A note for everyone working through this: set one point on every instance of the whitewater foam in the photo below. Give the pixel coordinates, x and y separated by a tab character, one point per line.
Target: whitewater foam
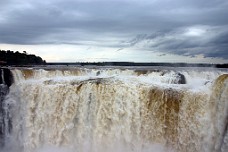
105	110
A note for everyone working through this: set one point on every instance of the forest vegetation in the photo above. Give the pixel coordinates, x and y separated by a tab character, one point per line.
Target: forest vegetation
16	58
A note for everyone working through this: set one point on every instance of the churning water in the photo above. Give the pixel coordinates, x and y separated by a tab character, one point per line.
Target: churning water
114	110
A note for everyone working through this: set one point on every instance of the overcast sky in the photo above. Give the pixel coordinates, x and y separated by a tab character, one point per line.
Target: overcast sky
117	30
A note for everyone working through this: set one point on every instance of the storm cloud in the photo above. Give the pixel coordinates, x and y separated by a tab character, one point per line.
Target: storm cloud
189	28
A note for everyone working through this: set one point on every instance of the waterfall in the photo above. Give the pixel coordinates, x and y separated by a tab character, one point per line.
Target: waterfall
5	119
106	110
2	77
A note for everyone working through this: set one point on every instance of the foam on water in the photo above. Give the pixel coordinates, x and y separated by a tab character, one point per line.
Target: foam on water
107	110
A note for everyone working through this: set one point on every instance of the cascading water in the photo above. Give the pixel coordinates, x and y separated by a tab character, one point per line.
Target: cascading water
2	77
5	119
107	110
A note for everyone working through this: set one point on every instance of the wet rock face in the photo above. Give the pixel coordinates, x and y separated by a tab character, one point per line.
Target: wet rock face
3	92
181	79
1	78
6	77
5	83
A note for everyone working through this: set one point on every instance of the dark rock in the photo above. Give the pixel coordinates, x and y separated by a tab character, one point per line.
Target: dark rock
181	79
6	77
6	80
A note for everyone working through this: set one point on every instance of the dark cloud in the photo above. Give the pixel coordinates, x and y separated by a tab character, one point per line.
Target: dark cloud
206	40
160	26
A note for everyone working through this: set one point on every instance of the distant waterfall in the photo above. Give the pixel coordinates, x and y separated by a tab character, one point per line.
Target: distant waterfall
107	110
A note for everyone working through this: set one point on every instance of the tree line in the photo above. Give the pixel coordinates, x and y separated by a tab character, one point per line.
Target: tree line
16	58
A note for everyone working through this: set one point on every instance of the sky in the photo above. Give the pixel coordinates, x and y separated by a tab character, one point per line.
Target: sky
192	31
